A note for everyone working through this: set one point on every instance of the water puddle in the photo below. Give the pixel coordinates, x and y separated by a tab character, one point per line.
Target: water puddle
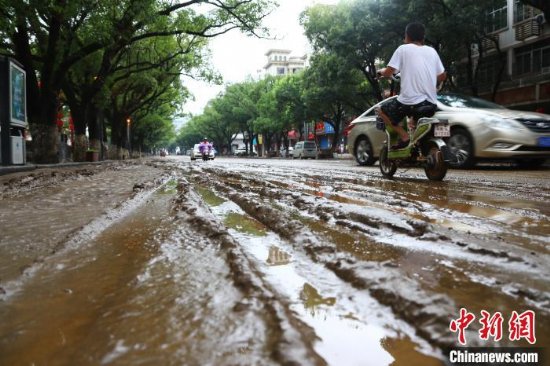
313	301
277	256
211	198
244	224
143	291
437	273
79	288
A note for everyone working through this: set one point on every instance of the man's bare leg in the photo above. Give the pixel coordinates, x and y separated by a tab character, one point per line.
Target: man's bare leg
400	131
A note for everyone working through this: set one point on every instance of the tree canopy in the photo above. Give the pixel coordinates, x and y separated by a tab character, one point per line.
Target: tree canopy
350	41
77	47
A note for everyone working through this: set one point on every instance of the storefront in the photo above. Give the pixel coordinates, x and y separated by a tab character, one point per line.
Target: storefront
324	132
292	136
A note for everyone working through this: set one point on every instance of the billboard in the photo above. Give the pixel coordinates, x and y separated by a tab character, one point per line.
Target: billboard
17	94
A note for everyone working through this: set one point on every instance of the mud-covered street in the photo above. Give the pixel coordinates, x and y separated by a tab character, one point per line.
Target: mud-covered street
265	261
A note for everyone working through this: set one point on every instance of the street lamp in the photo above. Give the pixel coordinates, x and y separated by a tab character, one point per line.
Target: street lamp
128	123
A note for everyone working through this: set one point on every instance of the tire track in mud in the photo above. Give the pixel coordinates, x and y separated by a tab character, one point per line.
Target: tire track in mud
285	207
289	340
427	312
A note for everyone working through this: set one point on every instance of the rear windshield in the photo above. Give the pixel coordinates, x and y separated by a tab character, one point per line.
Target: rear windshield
309	145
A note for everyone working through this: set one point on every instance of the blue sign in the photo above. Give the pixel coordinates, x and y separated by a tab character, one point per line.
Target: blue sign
324	143
329	129
544	141
18	103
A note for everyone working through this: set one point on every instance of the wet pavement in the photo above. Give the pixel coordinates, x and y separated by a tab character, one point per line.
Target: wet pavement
255	261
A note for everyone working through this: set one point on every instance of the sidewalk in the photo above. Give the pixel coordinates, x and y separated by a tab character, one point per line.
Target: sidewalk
8	169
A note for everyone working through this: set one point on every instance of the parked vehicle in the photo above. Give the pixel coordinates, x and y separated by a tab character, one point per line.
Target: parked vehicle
196	154
304	150
480	130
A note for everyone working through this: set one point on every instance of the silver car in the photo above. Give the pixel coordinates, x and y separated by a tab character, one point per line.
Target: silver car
304	150
479	130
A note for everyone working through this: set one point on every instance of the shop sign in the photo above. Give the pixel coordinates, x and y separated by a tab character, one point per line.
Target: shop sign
320	128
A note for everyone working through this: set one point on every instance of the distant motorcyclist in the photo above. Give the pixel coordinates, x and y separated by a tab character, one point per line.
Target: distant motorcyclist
205	147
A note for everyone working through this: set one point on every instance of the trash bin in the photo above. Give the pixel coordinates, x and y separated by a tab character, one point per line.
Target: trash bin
17	146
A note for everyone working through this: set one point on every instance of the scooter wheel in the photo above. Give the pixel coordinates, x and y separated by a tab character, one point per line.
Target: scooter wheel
387	166
436	167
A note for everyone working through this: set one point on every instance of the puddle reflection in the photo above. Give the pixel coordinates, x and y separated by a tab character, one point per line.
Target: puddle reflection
244	224
277	257
313	300
209	197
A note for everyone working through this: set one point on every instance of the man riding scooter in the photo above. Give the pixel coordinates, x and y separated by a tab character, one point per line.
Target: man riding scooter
205	148
421	70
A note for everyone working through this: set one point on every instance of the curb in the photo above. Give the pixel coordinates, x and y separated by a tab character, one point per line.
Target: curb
9	169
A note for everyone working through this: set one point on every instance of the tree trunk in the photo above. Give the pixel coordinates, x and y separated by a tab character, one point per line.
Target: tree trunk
94	127
45	143
80	147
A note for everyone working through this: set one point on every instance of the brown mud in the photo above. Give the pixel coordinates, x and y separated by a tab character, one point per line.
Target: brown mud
251	262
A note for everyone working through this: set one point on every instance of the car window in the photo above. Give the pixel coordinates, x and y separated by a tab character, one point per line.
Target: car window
465	101
309	145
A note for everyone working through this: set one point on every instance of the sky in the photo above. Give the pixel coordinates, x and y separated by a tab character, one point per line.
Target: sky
236	56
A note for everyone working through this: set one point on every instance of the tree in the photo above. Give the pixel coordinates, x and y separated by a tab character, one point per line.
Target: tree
244	98
334	90
190	134
221	125
88	85
153	131
287	105
360	32
50	37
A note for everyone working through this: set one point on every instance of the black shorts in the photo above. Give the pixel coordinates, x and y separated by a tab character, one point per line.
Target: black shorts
396	110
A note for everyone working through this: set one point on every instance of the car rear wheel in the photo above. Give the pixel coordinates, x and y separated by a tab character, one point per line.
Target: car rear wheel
363	152
461	145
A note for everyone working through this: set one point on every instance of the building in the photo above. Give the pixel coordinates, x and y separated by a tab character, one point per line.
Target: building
523	38
280	62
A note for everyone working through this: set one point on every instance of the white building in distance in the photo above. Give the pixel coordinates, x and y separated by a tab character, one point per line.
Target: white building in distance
280	62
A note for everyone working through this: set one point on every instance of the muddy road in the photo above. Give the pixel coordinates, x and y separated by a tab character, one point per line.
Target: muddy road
260	262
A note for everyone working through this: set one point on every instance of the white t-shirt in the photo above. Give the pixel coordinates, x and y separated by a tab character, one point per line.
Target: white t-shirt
419	67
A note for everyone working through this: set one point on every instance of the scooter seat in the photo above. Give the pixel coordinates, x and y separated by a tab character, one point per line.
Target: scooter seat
424	111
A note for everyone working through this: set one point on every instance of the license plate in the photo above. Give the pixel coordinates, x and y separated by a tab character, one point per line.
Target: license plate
544	141
442	131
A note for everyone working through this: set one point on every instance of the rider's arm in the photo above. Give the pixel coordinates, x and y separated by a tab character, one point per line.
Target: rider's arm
387	71
441	77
